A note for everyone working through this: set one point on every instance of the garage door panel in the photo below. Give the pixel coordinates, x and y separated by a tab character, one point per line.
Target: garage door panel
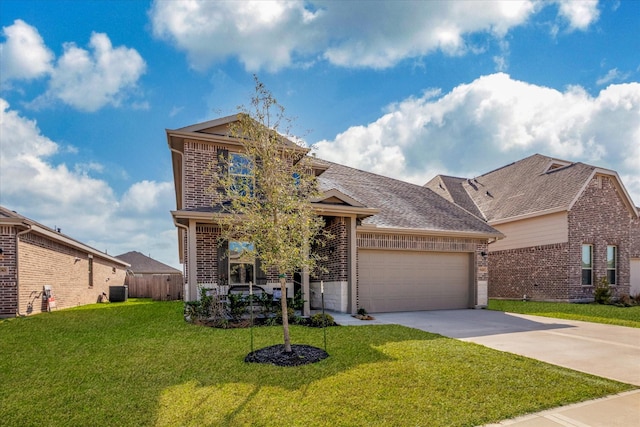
406	281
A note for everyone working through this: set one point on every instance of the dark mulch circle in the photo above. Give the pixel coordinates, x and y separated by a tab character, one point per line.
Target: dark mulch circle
275	355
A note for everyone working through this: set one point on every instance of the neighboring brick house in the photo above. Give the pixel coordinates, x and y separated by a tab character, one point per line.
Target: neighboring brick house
567	226
34	256
396	246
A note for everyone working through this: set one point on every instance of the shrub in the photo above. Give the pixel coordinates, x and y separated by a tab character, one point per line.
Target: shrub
237	306
362	311
208	308
319	320
602	292
298	301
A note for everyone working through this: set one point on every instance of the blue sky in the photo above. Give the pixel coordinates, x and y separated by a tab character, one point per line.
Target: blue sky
403	89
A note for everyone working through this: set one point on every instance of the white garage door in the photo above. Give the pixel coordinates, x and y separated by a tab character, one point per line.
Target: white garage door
635	277
407	281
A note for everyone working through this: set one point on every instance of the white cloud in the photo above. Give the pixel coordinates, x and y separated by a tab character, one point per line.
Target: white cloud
493	121
580	14
83	206
282	33
89	80
84	79
261	33
23	56
145	195
611	76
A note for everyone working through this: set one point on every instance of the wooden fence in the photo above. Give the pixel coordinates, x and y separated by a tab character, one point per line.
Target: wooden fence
165	287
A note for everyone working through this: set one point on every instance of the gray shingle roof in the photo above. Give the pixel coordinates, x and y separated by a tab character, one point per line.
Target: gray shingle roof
521	188
401	204
143	264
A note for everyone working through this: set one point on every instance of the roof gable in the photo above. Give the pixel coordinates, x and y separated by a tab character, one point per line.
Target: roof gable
532	186
336	197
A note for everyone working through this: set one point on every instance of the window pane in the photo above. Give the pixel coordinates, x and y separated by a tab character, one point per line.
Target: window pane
586	256
239	164
611	277
241	273
611	257
586	277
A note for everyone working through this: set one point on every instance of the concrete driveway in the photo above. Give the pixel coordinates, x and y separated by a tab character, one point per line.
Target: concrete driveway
603	350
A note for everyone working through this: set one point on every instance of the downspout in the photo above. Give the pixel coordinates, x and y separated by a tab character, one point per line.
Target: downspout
18	234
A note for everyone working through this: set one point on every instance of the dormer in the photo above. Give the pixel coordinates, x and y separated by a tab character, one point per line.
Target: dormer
556	164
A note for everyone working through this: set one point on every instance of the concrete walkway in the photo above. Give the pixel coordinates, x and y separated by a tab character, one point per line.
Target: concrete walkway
607	351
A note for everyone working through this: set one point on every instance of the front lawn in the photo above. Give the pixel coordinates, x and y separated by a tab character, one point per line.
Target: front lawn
597	313
139	364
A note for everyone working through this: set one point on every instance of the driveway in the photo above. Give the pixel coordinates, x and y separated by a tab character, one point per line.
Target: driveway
603	350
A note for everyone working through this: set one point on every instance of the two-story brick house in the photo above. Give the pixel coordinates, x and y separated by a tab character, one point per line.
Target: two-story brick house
396	246
33	256
567	226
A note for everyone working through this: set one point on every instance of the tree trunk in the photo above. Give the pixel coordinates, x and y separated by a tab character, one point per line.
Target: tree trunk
285	315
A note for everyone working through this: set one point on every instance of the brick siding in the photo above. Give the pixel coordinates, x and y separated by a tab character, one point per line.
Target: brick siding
8	272
538	272
553	272
43	261
199	160
207	237
334	266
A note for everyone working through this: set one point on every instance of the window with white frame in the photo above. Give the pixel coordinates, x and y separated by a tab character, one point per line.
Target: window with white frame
587	265
612	264
241	263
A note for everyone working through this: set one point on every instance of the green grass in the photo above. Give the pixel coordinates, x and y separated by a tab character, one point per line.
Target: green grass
139	364
597	313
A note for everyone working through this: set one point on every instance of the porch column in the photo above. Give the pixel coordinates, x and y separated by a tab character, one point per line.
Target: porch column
306	309
352	267
192	263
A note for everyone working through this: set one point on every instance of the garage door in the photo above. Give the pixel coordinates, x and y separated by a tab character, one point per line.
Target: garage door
635	277
407	281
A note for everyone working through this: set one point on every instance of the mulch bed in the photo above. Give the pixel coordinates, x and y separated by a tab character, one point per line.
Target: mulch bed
275	355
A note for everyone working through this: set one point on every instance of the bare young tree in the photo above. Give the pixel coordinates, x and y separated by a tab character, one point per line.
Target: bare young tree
267	191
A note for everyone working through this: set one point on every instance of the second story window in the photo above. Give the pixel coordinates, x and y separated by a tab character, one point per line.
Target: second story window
241	170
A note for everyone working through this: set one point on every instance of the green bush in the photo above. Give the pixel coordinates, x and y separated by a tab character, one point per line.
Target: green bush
602	292
237	306
319	320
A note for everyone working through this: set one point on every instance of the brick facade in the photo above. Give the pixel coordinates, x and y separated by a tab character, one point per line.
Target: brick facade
8	272
553	272
39	260
334	266
200	159
207	237
537	272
